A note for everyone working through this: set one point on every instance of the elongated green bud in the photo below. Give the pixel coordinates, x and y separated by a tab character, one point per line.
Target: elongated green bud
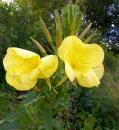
81	36
45	31
62	81
90	37
58	29
39	46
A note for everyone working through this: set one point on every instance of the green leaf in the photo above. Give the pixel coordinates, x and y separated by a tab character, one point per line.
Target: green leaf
48	119
31	98
9	126
13	116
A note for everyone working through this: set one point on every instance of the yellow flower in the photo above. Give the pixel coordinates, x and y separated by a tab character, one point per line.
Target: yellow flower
24	67
82	61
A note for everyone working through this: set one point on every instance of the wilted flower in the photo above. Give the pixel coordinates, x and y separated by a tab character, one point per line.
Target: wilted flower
25	67
82	61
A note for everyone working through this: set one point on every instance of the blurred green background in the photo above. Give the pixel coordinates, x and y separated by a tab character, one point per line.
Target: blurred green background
89	109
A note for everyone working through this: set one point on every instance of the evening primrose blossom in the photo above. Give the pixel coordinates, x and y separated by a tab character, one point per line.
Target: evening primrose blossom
24	67
82	61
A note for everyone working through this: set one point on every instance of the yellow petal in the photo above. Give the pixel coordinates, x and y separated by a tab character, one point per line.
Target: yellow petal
48	66
94	55
99	71
20	61
79	58
69	71
87	79
69	46
22	82
78	54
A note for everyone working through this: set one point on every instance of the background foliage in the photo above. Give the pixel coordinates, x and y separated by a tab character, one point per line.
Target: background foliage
88	109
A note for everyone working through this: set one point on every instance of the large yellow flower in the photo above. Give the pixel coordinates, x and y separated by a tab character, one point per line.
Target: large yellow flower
24	67
82	61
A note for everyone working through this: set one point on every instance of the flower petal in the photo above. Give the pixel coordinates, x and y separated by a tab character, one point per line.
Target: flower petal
88	79
79	58
99	71
94	55
48	66
79	54
69	71
22	82
69	46
20	61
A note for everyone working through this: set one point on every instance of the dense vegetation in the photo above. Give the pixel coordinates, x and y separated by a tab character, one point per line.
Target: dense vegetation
88	109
